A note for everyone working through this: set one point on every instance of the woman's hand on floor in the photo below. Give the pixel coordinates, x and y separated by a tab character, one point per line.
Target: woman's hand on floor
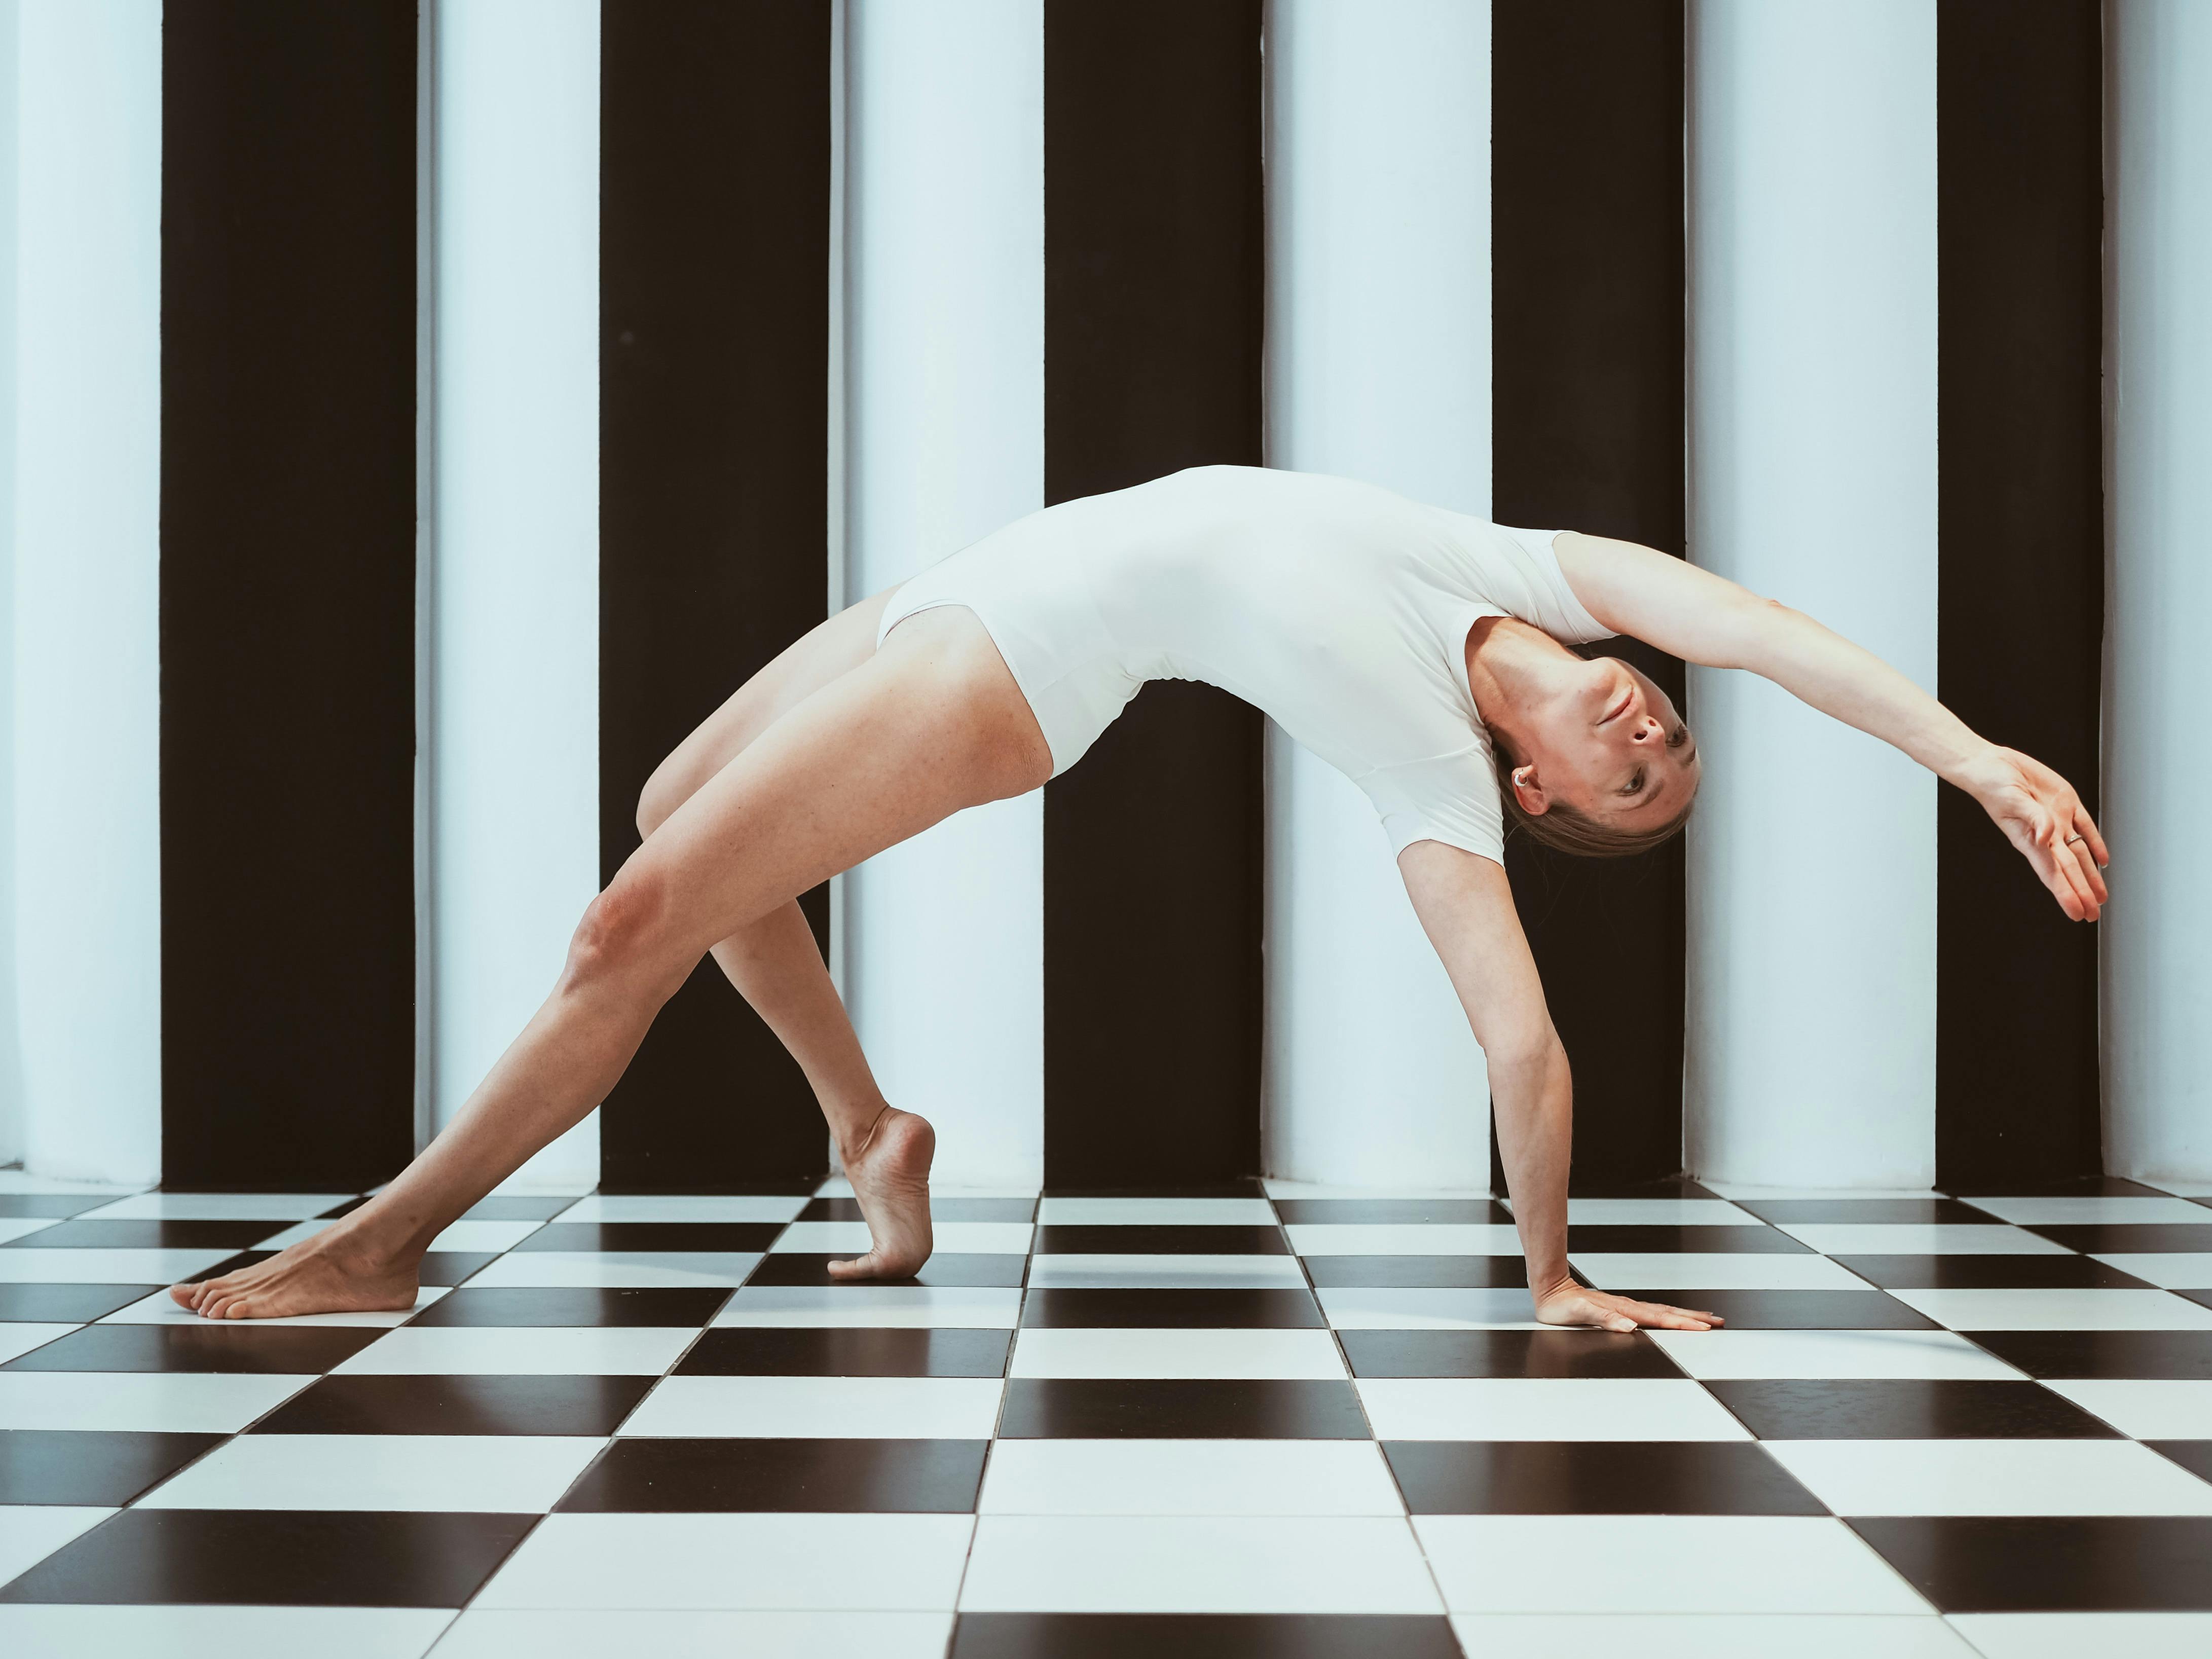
1573	1305
2041	815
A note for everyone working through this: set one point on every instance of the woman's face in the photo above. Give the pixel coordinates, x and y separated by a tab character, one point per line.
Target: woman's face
1609	744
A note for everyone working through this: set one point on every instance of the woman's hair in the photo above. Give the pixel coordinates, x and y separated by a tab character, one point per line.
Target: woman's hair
1571	831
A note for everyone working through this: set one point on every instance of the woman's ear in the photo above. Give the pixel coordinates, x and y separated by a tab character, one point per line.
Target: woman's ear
1529	791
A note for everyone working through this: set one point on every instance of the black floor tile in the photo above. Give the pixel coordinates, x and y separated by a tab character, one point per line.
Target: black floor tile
1174	1310
569	1405
2150	1355
68	1304
1506	1353
795	1188
1395	1211
2101	1238
209	1344
1990	1272
1902	1409
2195	1455
519	1206
277	1558
945	1267
97	1466
884	1477
1668	1187
1442	1272
453	1267
1702	1241
35	1204
773	1351
940	1209
1914	1211
1796	1311
1179	1408
1160	1241
1595	1476
1201	1636
681	1309
2203	1298
228	1265
2074	1186
148	1235
2050	1563
705	1237
1243	1186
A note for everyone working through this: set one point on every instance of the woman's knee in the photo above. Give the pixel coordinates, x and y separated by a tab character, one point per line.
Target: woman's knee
626	931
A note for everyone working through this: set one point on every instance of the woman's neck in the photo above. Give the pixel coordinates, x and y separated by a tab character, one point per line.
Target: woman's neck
1510	667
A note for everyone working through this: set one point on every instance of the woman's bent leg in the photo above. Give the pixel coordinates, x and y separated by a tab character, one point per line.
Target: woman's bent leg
932	723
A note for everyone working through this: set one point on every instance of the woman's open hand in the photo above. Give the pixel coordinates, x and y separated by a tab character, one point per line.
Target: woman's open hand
1569	1303
2041	815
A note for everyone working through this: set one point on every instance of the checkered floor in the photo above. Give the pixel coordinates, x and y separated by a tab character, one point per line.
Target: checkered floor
1256	1422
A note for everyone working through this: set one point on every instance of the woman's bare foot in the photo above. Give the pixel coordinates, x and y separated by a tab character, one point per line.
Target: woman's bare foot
317	1275
890	1175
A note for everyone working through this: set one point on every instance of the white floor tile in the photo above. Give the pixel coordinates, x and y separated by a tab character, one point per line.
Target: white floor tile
2178	1409
525	1182
1992	1477
1408	1238
2177	1270
23	1227
2064	1211
1633	1563
1919	1238
1698	1271
1139	1271
161	1309
2059	1310
1830	1354
649	1206
15	1181
474	1237
574	1634
29	1533
2071	1635
851	1238
618	1269
1749	1192
1075	1351
785	1560
1323	1189
953	1307
168	1403
2184	1188
218	1207
1707	1635
520	1351
1186	1564
19	1338
1545	1408
1382	1308
1156	1212
32	1266
1658	1212
491	1473
822	1407
1188	1477
223	1632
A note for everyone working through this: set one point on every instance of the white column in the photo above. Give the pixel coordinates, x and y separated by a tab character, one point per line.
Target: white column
515	820
2158	795
1812	857
87	98
1378	367
944	948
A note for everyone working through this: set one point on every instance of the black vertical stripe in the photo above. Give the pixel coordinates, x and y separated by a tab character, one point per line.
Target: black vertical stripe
1152	350
2020	112
714	352
287	592
1587	402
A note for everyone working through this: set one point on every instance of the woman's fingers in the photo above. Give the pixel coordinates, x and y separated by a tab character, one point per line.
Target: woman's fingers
1667	1318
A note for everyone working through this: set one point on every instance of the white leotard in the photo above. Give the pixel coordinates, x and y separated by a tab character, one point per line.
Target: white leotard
1339	608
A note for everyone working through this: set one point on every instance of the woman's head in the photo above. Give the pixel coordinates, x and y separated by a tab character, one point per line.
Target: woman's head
1596	761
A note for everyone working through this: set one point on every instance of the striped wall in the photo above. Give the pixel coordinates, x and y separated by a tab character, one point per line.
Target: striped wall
1815	293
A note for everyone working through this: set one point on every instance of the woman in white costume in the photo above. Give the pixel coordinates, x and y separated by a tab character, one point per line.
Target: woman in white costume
1422	652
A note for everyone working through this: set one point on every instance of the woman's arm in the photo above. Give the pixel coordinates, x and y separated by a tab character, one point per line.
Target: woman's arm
1467	909
1703	619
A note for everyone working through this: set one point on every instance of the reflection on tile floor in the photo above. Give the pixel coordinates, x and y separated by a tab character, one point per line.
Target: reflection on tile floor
1267	1420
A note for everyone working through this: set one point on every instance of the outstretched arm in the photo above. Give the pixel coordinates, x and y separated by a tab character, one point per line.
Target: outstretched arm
1467	909
1703	619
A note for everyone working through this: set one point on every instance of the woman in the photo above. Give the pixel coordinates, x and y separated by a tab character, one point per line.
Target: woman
1423	651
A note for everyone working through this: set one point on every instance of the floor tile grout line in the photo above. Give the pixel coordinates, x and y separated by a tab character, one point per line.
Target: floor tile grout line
998	1421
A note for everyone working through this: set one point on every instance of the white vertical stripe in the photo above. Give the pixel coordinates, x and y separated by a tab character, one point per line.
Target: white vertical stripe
944	263
1812	915
2158	792
87	504
515	733
1378	367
